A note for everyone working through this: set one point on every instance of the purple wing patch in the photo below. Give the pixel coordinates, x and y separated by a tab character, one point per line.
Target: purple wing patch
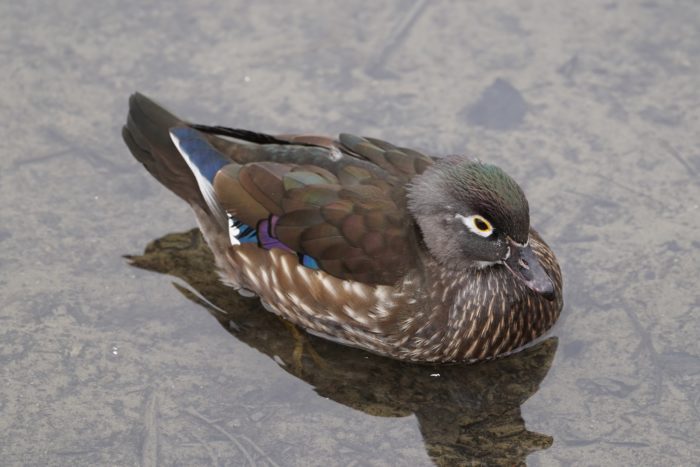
266	235
268	240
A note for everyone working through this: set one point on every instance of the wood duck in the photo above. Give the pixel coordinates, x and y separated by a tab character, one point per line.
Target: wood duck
359	241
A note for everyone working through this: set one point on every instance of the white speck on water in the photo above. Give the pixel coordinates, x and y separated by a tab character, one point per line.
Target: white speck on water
435	375
115	350
246	78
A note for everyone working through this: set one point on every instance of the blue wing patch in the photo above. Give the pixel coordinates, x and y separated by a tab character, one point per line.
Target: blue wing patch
309	262
242	233
239	232
198	152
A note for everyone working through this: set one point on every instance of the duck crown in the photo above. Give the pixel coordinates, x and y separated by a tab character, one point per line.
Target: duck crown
489	191
457	186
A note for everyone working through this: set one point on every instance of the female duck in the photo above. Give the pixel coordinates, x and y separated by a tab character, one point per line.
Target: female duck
359	241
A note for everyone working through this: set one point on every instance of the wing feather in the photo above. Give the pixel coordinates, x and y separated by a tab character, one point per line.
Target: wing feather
348	214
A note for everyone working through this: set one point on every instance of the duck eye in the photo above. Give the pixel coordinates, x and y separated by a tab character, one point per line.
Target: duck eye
477	224
481	225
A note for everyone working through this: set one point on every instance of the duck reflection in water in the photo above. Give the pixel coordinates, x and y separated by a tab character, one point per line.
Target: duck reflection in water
469	413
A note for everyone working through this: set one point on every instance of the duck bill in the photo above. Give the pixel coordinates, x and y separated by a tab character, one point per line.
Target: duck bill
524	265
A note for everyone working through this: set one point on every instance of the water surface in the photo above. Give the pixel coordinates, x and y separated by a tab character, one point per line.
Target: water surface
108	360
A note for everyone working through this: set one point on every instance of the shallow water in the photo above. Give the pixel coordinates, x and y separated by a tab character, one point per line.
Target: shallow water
105	361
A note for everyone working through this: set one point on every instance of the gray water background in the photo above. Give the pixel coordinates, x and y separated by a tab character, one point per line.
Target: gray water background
594	107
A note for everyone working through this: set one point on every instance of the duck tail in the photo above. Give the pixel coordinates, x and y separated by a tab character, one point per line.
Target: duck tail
147	133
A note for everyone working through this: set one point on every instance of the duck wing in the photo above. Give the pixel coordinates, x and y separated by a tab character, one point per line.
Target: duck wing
340	204
340	211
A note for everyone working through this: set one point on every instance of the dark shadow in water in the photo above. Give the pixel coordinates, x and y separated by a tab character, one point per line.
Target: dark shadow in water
468	413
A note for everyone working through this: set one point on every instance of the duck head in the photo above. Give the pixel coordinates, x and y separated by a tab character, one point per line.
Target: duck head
473	215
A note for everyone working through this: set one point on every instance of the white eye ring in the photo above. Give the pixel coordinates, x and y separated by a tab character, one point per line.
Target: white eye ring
477	224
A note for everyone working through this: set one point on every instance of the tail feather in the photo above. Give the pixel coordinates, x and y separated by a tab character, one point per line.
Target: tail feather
204	162
147	134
